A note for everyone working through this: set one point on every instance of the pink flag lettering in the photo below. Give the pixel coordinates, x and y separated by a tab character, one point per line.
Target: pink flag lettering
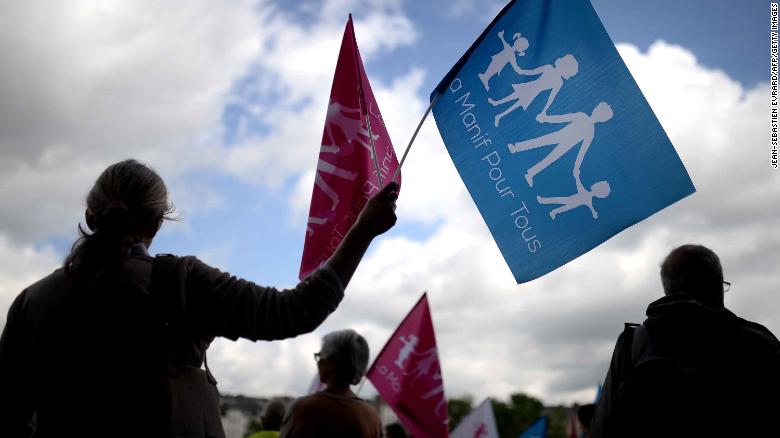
346	175
408	376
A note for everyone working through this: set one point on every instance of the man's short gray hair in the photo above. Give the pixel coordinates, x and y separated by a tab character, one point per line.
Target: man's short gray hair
349	351
693	269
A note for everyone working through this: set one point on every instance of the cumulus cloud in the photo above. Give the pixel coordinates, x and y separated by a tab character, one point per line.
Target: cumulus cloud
21	266
85	83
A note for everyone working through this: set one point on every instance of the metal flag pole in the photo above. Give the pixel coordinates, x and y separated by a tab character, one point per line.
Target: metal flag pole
359	71
373	148
419	125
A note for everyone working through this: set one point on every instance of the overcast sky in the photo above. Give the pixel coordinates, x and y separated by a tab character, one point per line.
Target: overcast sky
227	101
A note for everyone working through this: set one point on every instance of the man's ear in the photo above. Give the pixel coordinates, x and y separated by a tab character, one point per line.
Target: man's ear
90	222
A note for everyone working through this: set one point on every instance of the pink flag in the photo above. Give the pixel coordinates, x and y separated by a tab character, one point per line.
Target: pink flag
408	376
347	169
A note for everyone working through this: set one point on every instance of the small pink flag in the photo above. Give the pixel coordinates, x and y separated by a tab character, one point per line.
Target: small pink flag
347	169
408	376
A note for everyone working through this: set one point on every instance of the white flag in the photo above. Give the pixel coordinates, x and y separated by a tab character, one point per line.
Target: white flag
479	423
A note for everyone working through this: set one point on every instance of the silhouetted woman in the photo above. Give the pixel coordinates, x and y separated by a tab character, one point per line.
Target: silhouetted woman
102	347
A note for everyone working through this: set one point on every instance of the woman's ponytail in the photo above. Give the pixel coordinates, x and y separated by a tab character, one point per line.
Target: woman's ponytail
127	201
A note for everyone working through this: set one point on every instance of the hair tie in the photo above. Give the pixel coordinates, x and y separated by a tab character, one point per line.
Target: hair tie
117	205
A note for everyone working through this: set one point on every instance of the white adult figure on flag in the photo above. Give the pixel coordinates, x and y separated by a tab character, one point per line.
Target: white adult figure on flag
504	57
409	344
424	365
584	197
437	391
579	128
550	78
352	128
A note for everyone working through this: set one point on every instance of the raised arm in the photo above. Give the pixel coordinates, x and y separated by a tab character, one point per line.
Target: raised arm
503	41
513	63
219	304
580	187
377	217
555	118
553	93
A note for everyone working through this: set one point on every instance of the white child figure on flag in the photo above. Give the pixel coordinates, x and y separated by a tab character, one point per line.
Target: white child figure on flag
550	78
582	197
504	57
580	128
409	344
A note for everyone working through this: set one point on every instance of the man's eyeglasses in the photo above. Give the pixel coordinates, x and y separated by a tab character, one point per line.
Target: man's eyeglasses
317	357
726	286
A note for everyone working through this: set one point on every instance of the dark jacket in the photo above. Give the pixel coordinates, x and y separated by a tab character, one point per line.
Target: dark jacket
78	355
692	371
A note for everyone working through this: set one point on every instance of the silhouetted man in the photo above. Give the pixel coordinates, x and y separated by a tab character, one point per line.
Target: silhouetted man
693	368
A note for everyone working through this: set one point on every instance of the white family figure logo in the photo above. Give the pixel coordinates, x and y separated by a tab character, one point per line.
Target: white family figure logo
504	57
424	364
353	130
580	129
550	78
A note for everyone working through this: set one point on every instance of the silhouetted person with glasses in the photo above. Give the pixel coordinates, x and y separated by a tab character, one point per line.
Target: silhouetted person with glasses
336	411
693	368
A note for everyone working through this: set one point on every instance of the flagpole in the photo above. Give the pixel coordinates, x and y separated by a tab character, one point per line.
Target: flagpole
419	125
363	105
373	148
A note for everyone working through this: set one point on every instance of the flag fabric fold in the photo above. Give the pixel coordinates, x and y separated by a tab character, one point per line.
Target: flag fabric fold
408	376
346	174
552	136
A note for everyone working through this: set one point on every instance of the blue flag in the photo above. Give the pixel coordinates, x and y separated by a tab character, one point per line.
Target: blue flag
537	430
553	138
